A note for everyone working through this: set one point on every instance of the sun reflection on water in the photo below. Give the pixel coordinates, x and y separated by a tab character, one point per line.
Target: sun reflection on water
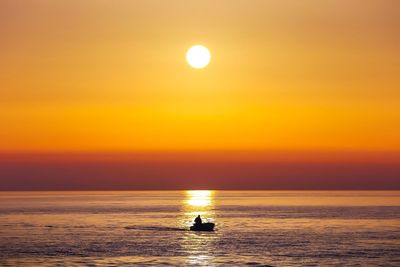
198	246
199	198
198	202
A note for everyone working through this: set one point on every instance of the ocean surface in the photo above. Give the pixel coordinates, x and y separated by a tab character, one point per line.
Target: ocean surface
150	228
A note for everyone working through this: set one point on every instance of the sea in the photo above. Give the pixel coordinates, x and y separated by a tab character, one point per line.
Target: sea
151	228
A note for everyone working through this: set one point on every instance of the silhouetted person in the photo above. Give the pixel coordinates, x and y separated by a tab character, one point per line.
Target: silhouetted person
198	220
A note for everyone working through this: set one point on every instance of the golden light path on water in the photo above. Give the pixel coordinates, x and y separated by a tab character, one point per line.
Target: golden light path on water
199	245
198	202
199	198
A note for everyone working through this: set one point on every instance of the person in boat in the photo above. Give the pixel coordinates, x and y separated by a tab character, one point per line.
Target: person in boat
198	220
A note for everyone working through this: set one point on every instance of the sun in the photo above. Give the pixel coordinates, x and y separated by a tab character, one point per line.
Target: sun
198	56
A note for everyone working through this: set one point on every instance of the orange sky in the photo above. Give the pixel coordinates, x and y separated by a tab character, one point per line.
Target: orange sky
99	75
102	76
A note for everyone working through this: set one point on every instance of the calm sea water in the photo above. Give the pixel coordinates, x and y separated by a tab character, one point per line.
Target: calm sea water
255	228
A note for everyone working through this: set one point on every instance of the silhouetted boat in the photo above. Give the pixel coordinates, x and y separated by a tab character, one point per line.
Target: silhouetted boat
207	227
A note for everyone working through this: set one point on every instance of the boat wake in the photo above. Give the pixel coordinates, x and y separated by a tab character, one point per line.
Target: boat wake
154	228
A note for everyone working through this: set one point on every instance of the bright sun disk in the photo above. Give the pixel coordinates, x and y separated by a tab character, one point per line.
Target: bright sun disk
198	56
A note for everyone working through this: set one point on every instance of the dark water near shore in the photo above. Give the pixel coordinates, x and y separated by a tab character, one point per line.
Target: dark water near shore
254	228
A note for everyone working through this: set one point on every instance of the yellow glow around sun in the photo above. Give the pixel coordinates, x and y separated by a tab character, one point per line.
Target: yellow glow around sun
198	56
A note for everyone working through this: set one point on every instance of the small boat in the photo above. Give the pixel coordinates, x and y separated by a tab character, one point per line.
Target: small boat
207	227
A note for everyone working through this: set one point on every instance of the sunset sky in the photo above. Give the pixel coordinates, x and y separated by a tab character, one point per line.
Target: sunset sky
302	89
